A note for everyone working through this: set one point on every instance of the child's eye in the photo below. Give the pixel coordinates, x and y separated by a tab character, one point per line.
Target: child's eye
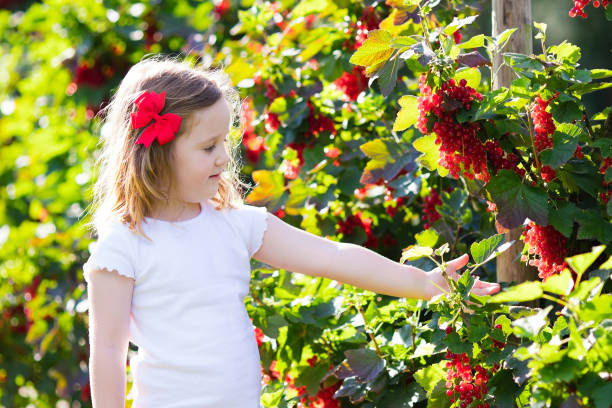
210	149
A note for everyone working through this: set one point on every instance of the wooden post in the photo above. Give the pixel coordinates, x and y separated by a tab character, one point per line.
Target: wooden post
512	14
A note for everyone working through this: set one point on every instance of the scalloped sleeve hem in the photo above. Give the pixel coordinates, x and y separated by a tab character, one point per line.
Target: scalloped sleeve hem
260	225
254	222
114	252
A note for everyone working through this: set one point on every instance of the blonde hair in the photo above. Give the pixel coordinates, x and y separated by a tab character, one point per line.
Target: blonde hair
129	184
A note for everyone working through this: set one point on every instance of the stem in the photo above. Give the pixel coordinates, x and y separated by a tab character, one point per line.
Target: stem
456	238
524	163
588	124
535	153
554	299
367	329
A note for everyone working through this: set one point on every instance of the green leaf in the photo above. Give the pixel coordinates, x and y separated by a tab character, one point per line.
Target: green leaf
313	48
375	50
413	252
387	159
364	363
306	7
427	238
580	263
565	140
428	376
457	23
311	377
520	293
482	249
563	218
474	42
530	326
501	38
599	73
566	52
429	159
408	114
387	76
279	105
471	75
516	201
402	397
560	284
566	112
607	264
592	225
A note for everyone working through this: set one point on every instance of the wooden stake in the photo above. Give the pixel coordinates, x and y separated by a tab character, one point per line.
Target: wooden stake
512	14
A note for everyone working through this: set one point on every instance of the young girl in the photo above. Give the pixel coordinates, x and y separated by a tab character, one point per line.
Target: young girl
171	266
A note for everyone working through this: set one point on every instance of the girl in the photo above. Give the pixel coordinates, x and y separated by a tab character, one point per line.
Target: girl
171	266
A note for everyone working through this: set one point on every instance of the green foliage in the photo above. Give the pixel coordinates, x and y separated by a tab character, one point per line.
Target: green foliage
364	174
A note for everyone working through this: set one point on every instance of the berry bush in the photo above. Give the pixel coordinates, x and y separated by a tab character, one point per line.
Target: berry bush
370	122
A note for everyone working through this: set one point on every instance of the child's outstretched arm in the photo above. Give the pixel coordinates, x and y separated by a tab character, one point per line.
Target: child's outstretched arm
295	250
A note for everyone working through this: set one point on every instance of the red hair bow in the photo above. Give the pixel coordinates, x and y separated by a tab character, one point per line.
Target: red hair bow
164	127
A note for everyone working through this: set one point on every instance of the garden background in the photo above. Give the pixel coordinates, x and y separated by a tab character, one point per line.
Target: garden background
372	122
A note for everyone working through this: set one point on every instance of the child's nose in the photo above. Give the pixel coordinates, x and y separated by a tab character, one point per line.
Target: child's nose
223	158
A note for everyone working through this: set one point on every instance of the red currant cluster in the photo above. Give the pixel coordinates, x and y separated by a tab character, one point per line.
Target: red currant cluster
429	207
391	203
254	144
221	8
333	153
579	5
465	383
500	159
347	226
542	123
259	336
317	122
352	83
605	195
272	122
292	170
548	246
460	149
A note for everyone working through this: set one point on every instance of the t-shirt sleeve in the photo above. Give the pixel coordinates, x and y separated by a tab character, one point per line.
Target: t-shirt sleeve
254	223
113	251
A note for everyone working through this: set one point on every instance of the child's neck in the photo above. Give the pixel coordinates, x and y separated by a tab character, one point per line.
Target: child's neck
177	212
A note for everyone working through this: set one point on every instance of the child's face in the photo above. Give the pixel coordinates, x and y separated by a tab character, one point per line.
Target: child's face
201	154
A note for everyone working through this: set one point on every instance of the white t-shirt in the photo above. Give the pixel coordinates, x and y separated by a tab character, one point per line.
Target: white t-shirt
196	344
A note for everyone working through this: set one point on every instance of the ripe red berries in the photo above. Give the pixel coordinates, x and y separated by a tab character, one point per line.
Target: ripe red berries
579	5
548	246
460	150
465	383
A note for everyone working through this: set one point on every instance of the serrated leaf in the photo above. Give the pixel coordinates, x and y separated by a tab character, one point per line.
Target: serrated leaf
563	218
580	263
376	49
387	76
413	252
474	42
565	140
431	150
522	292
427	238
482	249
473	59
530	326
560	284
457	23
428	376
408	114
517	201
471	75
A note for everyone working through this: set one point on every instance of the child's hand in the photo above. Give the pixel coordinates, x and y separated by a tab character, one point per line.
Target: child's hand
437	281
